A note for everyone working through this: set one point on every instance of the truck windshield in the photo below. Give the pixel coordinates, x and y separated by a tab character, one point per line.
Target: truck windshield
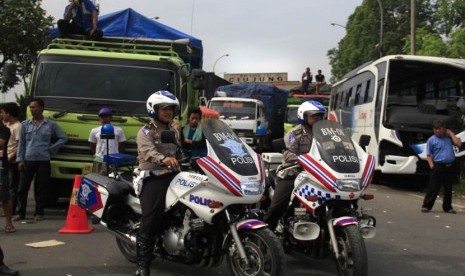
77	86
235	110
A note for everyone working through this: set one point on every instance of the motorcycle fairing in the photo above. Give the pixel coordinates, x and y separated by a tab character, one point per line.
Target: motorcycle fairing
250	224
368	171
343	221
318	171
213	168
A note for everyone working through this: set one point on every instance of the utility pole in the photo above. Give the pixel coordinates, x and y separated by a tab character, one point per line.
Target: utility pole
413	12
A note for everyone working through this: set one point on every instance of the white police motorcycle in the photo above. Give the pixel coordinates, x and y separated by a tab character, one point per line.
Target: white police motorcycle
207	217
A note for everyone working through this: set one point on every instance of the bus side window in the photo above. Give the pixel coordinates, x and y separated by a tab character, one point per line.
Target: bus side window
349	95
357	94
368	93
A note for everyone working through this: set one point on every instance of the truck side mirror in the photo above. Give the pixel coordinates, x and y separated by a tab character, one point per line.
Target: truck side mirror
198	79
9	74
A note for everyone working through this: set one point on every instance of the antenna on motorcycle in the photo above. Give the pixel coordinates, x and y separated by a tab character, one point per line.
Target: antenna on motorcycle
107	132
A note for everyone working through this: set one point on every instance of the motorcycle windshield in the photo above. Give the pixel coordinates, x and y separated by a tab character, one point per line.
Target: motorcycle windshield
230	150
335	147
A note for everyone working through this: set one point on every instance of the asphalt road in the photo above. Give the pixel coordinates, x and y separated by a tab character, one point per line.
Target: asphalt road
408	242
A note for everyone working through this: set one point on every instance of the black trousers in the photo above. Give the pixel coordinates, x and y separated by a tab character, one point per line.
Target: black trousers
14	176
279	202
66	28
441	175
1	256
39	171
152	201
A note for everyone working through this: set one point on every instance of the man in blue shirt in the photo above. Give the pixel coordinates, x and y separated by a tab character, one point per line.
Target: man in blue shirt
34	151
441	158
80	17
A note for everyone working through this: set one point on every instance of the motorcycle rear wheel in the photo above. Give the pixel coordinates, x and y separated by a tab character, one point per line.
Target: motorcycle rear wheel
353	259
264	252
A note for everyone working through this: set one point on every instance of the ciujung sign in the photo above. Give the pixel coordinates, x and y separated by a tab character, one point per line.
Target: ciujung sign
256	77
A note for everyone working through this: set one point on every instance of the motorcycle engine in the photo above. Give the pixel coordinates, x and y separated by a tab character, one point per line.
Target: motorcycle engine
175	238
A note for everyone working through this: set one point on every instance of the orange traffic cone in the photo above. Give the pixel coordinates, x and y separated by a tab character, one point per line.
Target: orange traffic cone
76	221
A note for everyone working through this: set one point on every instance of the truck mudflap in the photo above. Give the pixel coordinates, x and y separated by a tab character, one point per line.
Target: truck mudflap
250	224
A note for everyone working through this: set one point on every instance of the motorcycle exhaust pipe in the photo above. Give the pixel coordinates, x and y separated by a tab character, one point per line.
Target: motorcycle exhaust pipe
121	235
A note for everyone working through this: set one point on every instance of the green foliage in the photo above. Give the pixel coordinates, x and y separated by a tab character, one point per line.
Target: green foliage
23	29
439	32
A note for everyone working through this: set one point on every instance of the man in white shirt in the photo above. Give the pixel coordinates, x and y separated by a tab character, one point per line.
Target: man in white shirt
98	146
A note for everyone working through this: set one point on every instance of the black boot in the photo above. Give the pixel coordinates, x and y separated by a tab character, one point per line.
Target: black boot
5	270
144	251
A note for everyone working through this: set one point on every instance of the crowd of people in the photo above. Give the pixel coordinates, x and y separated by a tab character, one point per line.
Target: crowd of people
26	149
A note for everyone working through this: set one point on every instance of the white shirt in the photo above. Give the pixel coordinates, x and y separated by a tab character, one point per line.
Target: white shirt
101	147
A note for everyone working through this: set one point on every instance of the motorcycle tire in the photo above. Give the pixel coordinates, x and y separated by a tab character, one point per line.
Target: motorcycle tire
353	255
128	249
264	251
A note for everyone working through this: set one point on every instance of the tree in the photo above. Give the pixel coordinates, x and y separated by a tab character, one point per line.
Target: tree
361	43
23	30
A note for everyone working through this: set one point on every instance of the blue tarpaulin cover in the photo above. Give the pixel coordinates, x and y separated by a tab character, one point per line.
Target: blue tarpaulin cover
274	100
129	23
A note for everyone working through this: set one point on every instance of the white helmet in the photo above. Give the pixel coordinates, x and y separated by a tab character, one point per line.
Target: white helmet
309	108
160	99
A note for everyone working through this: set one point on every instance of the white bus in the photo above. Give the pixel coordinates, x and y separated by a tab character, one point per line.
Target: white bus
393	101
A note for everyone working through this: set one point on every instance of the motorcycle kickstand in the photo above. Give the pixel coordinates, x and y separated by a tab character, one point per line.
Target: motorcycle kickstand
332	237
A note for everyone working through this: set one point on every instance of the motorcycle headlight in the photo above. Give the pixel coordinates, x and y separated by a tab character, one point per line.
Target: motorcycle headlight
252	188
349	185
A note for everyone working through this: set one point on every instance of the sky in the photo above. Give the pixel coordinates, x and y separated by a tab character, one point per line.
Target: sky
260	36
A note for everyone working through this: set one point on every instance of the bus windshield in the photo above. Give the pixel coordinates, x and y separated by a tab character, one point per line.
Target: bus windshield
235	110
79	85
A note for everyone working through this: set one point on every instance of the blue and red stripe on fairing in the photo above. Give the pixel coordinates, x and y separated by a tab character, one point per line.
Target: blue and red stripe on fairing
250	224
368	171
320	173
225	177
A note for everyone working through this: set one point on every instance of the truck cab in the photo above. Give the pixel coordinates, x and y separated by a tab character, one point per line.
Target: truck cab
243	115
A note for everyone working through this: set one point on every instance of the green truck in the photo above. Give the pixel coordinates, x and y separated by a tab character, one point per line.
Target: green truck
293	103
76	78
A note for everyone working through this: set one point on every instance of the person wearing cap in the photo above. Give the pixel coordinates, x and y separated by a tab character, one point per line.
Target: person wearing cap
441	159
98	146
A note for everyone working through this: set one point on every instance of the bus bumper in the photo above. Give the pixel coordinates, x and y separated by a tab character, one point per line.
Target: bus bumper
394	164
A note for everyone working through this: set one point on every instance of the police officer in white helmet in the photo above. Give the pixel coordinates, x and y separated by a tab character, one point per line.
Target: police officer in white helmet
298	141
158	164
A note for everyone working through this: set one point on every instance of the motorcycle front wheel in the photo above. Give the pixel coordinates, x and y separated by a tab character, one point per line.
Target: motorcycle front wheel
353	255
128	249
264	253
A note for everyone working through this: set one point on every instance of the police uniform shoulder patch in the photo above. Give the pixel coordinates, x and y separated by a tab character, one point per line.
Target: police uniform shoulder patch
291	138
145	131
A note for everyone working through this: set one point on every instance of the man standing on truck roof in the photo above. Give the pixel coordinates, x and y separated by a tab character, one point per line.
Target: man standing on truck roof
81	18
306	79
